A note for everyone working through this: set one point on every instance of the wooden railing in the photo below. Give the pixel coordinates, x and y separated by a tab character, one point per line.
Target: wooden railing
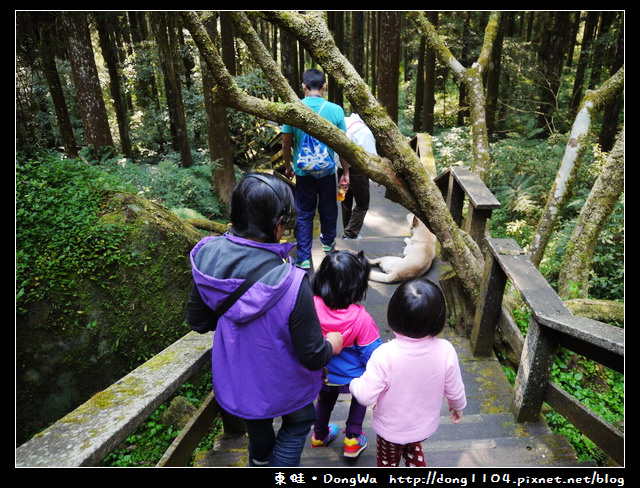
552	324
92	431
88	434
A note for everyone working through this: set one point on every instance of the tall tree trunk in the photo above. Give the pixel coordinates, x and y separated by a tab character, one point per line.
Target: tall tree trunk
389	61
598	59
591	21
429	101
472	78
228	43
47	51
574	150
356	52
218	136
512	29
576	265
463	102
106	24
419	95
551	55
85	76
336	26
611	115
372	58
573	37
493	76
289	61
165	33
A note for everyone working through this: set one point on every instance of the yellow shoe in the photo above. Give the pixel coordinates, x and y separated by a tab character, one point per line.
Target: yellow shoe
333	433
354	446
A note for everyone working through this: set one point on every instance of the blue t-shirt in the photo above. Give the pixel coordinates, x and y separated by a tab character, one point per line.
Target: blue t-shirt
331	111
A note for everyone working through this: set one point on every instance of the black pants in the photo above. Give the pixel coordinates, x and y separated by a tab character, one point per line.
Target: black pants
353	217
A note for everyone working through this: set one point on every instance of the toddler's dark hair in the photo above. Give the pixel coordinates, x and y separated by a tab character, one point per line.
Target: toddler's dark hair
342	279
417	309
260	201
314	79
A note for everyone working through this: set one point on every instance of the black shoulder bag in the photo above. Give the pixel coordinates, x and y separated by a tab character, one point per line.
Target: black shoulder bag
237	293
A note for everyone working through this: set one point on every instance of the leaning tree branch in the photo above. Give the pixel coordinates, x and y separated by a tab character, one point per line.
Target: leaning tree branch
399	168
593	101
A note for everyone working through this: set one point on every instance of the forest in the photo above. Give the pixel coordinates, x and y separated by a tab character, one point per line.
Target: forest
176	106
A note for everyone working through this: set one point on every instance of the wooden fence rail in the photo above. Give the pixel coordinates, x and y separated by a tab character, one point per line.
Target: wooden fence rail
92	431
552	325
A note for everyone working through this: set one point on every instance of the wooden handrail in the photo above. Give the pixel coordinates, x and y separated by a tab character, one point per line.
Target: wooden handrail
457	184
87	435
551	325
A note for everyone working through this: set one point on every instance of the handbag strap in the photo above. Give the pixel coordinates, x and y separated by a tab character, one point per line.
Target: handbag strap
354	123
238	292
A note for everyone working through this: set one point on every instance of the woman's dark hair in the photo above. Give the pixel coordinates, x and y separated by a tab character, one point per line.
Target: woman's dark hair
259	202
313	78
417	309
342	279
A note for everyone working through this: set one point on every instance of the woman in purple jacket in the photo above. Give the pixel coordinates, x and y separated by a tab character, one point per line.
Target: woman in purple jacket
268	348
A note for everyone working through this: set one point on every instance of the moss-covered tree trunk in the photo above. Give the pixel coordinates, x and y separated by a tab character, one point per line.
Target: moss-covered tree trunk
574	274
565	177
472	78
398	169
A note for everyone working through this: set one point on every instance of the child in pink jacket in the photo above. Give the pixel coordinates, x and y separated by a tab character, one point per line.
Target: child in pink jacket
408	377
339	286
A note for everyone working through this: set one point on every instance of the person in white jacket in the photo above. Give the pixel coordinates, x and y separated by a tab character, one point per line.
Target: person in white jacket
358	183
408	377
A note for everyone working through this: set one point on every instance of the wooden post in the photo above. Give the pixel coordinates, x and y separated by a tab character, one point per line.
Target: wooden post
533	373
455	198
489	306
476	225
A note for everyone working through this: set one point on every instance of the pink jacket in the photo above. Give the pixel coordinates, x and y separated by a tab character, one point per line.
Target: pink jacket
406	379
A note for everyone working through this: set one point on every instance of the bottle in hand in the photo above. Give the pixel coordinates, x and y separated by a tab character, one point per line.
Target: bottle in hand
342	191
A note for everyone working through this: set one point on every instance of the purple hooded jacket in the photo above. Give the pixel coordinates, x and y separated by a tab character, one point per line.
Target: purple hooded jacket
257	372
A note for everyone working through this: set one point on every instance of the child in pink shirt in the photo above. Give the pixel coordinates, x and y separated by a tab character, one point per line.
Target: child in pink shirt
408	377
340	283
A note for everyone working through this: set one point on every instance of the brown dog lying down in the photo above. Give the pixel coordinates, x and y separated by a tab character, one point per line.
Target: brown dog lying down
418	254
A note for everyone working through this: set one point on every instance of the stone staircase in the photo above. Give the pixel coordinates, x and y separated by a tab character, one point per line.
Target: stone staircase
487	436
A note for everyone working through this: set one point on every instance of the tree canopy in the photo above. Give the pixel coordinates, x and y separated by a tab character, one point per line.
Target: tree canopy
197	86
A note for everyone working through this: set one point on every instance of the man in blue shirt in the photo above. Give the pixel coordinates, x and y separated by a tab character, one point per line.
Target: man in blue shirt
313	191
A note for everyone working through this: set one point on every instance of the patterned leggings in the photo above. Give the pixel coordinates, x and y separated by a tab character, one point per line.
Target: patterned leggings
389	454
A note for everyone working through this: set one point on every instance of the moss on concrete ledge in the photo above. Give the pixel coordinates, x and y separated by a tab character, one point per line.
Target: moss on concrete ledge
81	338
